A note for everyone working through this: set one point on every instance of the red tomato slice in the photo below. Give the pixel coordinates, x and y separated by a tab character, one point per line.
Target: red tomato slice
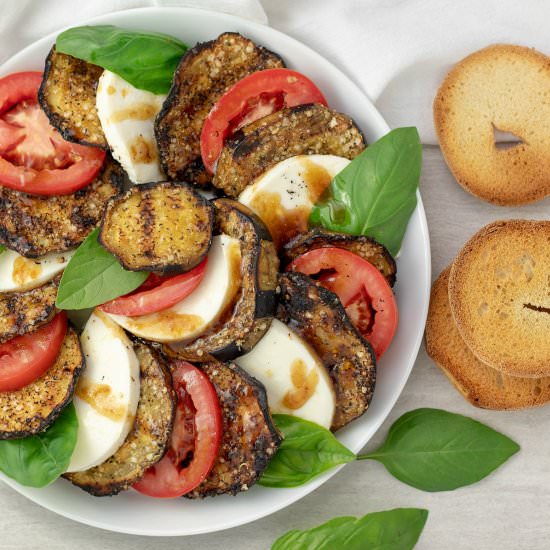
25	358
33	156
195	438
362	289
157	293
255	96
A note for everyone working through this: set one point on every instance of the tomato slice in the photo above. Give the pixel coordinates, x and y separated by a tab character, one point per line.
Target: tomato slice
362	289
195	439
157	292
33	156
25	358
255	96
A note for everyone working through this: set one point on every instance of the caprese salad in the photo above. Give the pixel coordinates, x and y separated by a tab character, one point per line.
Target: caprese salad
188	247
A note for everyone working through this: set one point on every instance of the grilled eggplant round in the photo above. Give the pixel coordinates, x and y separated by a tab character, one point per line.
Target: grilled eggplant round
164	227
318	316
248	319
147	442
67	96
365	247
249	439
33	408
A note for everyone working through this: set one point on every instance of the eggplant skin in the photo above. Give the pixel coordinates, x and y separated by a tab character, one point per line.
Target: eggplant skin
203	75
149	438
67	96
37	225
301	130
250	316
24	312
31	409
318	316
164	227
365	247
249	438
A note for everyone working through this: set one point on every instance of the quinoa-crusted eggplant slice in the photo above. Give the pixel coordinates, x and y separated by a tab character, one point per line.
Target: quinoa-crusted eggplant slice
370	250
318	316
249	438
37	225
250	316
23	312
34	407
203	75
164	227
67	96
303	130
147	441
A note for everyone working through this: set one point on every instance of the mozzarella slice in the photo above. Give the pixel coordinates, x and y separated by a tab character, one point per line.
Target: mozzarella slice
284	195
295	379
18	273
106	395
127	116
197	312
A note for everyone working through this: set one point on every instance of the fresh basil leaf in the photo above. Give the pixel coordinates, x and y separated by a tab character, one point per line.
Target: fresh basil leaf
397	529
37	460
2	248
307	450
147	60
435	450
375	195
93	276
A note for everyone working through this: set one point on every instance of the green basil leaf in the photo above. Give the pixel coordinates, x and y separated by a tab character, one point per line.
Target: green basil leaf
2	248
307	450
39	459
435	450
93	276
397	529
375	195
147	60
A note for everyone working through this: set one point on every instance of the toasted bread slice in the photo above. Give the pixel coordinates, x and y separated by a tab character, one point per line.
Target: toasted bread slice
163	227
503	87
480	384
303	130
23	312
35	226
318	316
203	75
370	250
249	438
34	407
67	96
498	289
147	442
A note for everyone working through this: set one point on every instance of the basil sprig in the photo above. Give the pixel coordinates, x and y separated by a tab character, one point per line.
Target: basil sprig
37	460
147	60
2	248
375	195
93	276
397	529
430	449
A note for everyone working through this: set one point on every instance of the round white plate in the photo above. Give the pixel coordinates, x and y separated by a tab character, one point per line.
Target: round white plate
136	514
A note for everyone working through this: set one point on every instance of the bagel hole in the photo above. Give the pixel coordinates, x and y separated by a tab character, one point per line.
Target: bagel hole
505	140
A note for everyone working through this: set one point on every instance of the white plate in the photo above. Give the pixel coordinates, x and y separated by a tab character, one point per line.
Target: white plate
136	514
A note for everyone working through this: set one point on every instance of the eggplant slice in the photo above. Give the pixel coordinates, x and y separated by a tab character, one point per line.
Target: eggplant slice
203	75
318	316
365	247
67	96
249	438
24	312
164	227
34	407
303	130
149	437
250	317
37	225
